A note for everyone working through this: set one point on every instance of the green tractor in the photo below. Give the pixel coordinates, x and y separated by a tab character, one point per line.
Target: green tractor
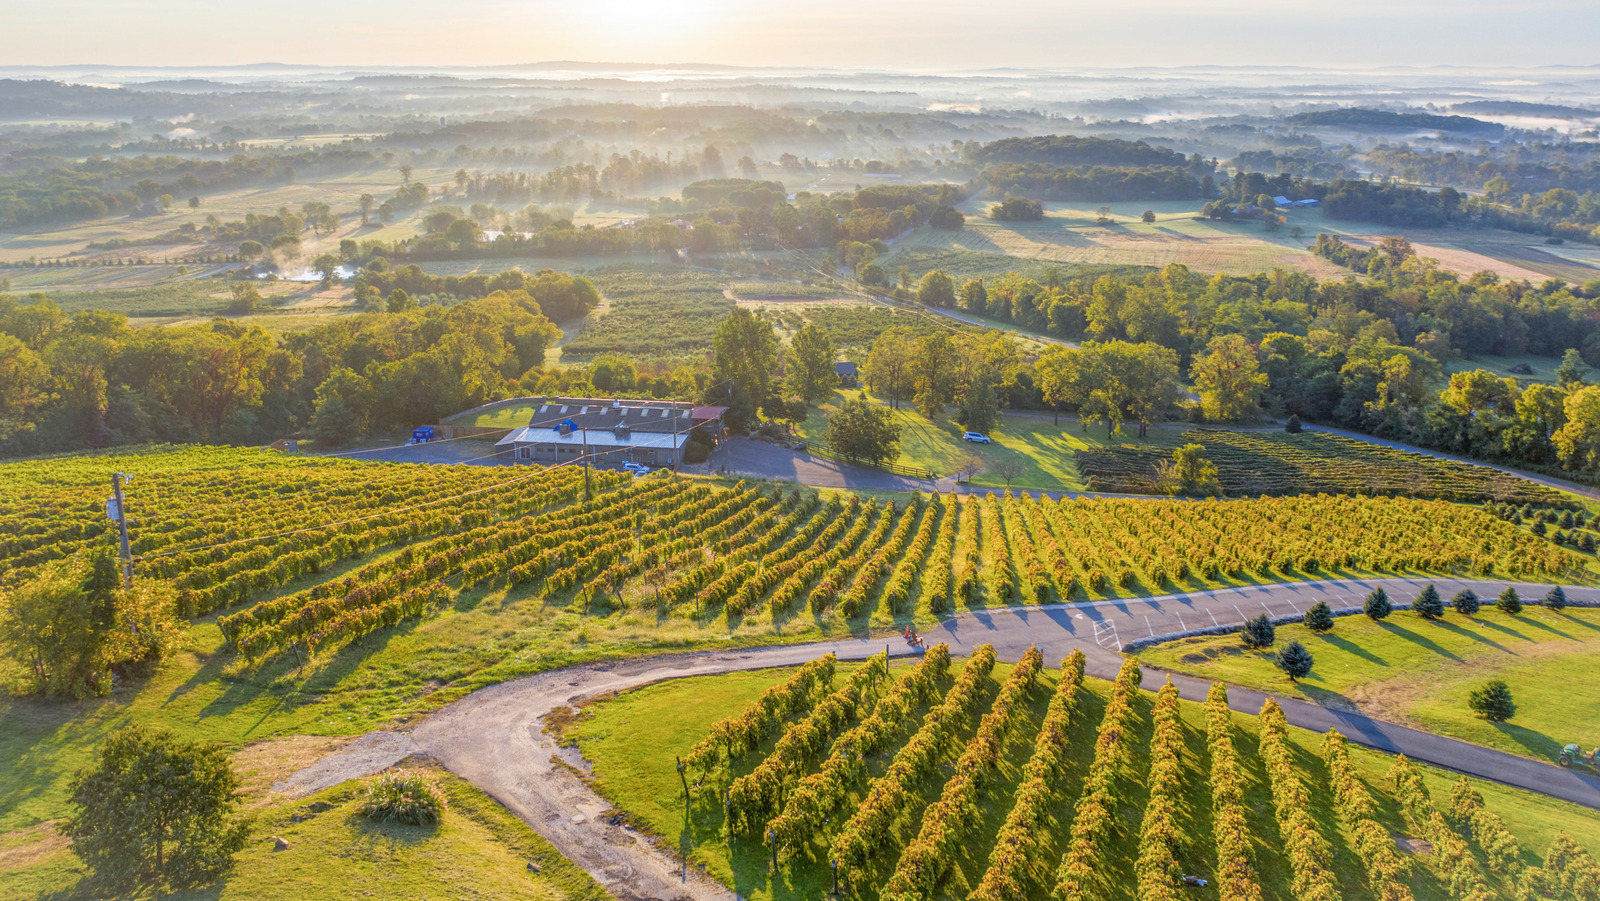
1572	756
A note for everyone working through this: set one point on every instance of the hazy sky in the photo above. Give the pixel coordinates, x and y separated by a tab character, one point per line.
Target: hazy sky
929	34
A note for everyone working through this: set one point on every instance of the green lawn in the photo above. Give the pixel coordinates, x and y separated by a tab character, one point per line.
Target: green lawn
480	850
1417	671
1041	450
640	778
511	416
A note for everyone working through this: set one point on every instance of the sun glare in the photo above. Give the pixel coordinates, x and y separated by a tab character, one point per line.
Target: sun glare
644	20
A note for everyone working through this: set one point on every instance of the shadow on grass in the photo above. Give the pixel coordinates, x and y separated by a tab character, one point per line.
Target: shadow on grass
1419	640
1547	627
1490	624
1350	647
1475	636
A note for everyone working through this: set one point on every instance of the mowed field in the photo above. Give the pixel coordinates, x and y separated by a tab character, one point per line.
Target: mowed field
1069	234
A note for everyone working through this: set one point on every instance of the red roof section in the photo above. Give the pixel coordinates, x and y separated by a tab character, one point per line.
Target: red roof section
707	412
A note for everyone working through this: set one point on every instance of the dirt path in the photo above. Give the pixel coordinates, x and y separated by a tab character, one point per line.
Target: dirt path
495	738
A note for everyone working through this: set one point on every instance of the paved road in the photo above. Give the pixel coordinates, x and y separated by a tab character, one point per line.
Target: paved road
494	737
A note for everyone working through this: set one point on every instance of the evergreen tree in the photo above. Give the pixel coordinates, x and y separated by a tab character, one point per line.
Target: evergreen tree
1466	602
1509	602
1555	598
1292	424
1258	632
1295	661
1493	701
1428	604
1377	604
1319	617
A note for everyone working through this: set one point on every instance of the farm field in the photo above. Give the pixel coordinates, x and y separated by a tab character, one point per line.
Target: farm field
971	779
1044	452
439	580
1255	463
334	852
1410	669
1069	234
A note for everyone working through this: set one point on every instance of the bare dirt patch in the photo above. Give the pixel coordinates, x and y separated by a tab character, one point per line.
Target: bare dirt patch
263	763
26	847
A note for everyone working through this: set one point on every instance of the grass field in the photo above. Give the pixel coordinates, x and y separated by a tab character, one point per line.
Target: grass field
1070	235
1045	453
640	778
479	850
1418	671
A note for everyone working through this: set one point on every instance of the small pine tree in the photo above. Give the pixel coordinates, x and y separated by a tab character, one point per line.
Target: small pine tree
1319	617
1555	598
1586	542
1428	604
1292	424
1538	528
1566	519
1509	602
1466	602
1493	701
1295	661
1259	632
1377	604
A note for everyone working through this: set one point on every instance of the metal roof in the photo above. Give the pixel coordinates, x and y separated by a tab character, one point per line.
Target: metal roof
593	438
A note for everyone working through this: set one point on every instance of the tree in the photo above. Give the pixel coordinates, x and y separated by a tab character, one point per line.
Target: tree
1258	632
974	297
1292	424
250	250
405	173
934	369
1555	598
1570	373
1509	602
1428	604
1149	217
980	407
1377	604
888	371
400	302
1578	441
1008	468
1295	661
744	353
154	808
1229	379
53	628
246	299
327	266
1319	617
1466	602
860	428
809	364
1189	473
936	290
1492	700
1053	374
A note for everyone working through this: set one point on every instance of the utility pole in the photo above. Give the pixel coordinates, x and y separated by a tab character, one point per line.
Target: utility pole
587	493
122	526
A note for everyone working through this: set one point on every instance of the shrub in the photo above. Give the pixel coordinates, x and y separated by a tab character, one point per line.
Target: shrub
1258	632
1292	424
1509	602
1555	598
1295	660
1428	604
1466	602
1377	604
1319	618
1493	701
404	796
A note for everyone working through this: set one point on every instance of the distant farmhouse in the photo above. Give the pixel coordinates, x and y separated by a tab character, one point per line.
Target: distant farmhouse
846	371
611	431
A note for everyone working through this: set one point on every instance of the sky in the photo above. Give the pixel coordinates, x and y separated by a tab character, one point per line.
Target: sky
930	35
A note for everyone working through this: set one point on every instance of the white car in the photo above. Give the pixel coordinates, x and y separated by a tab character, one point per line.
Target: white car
638	469
976	438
